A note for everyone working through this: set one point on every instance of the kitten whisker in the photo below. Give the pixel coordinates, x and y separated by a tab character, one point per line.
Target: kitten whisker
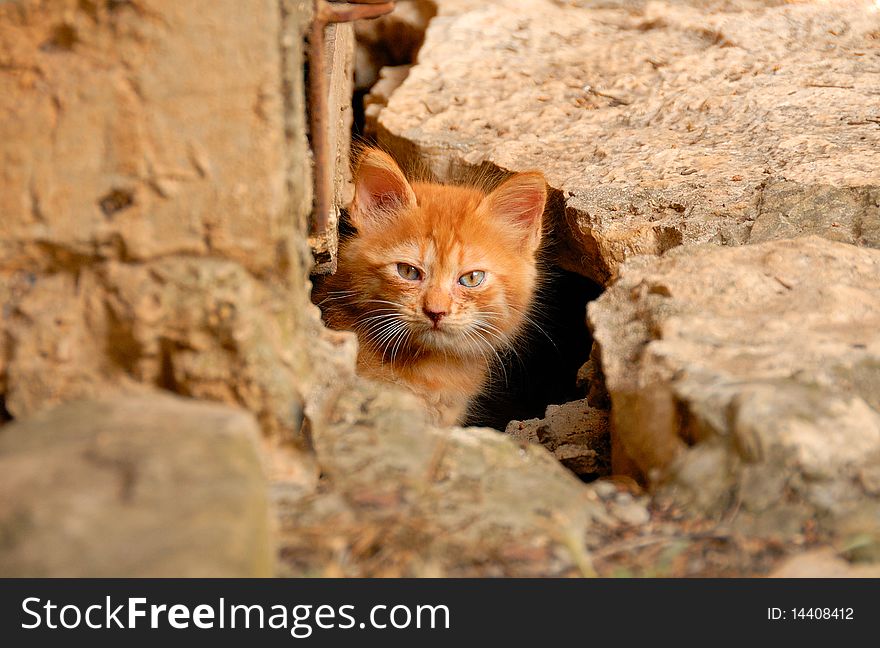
370	324
388	340
401	340
377	332
380	301
503	341
476	341
530	320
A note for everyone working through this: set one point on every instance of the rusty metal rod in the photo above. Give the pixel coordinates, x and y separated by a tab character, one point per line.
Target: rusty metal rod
326	13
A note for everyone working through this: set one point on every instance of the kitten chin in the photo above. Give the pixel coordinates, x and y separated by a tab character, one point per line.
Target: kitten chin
436	280
447	341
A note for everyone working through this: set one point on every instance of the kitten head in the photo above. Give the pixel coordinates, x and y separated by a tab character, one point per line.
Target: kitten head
441	268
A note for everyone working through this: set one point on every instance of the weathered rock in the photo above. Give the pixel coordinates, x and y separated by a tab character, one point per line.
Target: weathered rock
197	327
659	123
154	189
408	499
575	433
390	79
143	486
823	563
750	377
630	510
590	381
391	40
137	130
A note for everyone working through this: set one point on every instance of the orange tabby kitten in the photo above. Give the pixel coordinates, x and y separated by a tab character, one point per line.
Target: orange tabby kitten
436	280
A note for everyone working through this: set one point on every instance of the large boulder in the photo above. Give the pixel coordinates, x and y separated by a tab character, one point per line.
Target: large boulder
657	123
748	379
151	486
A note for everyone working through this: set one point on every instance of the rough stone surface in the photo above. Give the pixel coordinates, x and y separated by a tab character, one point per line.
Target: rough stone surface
391	40
154	185
390	79
409	499
659	123
153	486
575	433
194	326
137	130
823	563
748	378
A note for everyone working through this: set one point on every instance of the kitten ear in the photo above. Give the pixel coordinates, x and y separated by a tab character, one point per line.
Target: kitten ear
519	201
380	188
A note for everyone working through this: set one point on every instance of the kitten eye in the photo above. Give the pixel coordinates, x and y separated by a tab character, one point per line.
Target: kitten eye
409	272
472	279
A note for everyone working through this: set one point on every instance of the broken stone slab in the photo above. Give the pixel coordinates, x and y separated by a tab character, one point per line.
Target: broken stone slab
657	123
150	486
748	378
575	433
401	498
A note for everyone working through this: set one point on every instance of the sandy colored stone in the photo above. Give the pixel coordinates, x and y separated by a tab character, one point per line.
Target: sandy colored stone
749	377
823	563
575	433
137	130
407	499
153	486
154	189
391	40
390	78
659	123
198	327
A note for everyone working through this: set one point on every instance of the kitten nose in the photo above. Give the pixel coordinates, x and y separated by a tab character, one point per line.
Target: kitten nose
434	316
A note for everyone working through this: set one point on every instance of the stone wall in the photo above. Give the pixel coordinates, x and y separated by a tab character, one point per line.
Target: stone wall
150	158
155	191
155	188
173	406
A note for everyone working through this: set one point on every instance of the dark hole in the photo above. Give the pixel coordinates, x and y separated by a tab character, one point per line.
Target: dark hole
5	415
89	8
167	379
389	41
63	37
116	200
544	370
359	117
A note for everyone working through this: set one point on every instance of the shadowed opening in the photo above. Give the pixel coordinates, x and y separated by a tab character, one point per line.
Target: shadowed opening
544	370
